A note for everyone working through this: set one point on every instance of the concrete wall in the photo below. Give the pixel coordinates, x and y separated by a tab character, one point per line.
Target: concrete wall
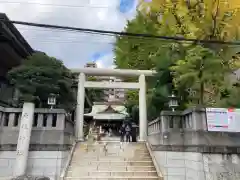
48	163
198	166
221	166
180	165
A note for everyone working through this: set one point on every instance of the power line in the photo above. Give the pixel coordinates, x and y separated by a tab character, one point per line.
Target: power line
147	40
66	31
55	40
49	4
105	32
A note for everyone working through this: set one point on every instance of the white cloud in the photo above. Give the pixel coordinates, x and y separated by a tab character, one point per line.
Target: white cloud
75	49
105	61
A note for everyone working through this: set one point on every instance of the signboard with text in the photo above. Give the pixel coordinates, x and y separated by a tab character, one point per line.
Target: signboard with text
223	119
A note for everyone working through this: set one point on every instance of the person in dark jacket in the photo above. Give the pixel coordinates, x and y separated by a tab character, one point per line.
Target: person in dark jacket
122	132
128	130
134	133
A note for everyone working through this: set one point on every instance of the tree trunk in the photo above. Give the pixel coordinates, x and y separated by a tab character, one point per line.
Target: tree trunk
201	90
201	99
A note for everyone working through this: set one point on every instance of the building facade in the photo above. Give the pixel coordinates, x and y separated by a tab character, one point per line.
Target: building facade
13	50
110	95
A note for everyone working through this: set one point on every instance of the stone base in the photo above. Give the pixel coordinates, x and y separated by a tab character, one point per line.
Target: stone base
31	178
37	147
40	164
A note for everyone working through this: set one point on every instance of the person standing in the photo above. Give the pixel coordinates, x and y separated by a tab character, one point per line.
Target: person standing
109	132
134	134
128	133
122	132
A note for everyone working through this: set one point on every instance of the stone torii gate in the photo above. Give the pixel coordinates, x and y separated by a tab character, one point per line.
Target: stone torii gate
82	84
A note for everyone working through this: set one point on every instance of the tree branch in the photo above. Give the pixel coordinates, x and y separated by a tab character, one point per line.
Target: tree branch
214	17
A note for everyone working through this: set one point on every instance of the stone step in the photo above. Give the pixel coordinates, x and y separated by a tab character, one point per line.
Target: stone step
111	158
110	154
89	149
110	173
110	151
115	177
112	145
112	163
114	153
113	168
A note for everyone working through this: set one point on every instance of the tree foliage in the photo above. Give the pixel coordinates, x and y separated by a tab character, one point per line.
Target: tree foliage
202	71
203	19
135	53
182	66
41	75
95	95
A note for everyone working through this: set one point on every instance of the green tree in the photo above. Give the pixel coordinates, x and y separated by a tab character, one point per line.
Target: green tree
142	53
40	75
95	95
135	53
230	96
202	70
198	19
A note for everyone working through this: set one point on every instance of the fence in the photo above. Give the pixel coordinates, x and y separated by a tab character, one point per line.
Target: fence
188	120
50	126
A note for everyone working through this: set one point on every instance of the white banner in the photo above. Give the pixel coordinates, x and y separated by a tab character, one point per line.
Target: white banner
223	119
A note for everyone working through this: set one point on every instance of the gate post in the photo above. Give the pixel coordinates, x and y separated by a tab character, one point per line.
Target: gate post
79	134
142	109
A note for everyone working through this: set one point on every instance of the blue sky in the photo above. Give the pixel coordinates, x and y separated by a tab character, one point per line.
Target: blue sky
74	49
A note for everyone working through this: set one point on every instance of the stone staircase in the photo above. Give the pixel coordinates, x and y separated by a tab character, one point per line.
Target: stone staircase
111	160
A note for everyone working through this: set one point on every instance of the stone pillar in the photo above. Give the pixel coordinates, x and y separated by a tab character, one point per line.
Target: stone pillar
142	109
165	124
24	139
80	108
198	120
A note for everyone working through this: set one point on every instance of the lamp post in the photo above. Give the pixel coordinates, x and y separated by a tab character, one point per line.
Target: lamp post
52	100
173	102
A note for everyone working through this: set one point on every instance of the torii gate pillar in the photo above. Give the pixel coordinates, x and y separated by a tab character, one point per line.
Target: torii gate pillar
79	134
142	109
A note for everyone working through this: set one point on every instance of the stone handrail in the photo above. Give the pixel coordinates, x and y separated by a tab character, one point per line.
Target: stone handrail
43	118
154	126
192	119
51	128
187	131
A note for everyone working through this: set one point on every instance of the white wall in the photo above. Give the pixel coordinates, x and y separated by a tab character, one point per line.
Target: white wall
48	163
198	166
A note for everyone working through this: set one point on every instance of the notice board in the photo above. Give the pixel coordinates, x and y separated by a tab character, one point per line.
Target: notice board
223	119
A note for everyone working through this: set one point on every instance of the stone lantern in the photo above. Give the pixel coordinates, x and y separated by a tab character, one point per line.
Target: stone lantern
52	100
173	102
